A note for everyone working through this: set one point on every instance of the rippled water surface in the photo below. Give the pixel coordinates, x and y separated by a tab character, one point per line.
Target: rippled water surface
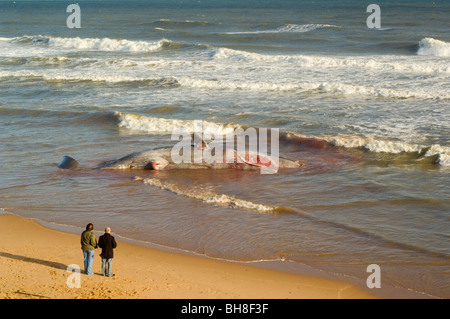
366	113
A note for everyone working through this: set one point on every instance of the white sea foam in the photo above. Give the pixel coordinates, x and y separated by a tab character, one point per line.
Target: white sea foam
430	46
161	125
49	76
398	64
99	44
378	145
184	22
373	144
162	29
304	27
246	85
209	196
231	54
236	85
443	153
291	28
314	87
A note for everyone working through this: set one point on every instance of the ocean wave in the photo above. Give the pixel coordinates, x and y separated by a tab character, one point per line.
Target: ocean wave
261	86
313	88
433	47
378	145
37	60
209	196
98	44
236	85
373	144
399	64
156	81
304	27
442	152
182	23
382	92
149	124
288	28
162	29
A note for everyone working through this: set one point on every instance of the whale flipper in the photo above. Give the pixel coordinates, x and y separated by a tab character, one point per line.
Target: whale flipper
68	163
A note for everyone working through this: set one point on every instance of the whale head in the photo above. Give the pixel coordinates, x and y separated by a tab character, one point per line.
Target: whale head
68	163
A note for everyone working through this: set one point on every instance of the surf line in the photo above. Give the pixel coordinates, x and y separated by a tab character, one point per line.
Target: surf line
222	148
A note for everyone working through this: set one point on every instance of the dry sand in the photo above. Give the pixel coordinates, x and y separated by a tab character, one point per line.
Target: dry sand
34	261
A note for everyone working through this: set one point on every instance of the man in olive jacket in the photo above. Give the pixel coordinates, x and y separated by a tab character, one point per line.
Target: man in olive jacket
107	243
88	245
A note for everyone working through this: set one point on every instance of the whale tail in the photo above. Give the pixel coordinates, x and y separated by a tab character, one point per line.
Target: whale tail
68	163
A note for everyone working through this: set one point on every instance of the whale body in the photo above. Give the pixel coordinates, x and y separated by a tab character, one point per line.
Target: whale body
162	159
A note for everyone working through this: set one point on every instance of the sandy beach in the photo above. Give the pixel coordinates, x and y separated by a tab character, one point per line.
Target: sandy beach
34	261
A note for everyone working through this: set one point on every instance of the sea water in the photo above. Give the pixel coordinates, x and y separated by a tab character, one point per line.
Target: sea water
366	111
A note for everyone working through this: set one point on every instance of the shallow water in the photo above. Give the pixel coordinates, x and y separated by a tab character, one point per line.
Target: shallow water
365	111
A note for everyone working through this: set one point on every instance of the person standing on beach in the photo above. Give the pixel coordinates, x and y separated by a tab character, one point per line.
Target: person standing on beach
88	245
107	243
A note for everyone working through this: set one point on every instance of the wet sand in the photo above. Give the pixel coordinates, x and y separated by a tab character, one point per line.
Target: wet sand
34	261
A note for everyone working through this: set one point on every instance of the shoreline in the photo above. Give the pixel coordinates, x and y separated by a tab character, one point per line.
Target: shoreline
283	266
34	260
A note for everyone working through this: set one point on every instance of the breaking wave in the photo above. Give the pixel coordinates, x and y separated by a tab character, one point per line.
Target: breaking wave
375	145
246	85
103	44
405	64
148	124
156	81
161	125
433	47
313	88
210	197
182	23
37	61
288	28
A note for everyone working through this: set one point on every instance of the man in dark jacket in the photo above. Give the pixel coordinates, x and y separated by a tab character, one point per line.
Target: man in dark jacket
107	243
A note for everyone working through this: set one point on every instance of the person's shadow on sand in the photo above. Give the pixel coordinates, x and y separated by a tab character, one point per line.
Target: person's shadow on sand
35	260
